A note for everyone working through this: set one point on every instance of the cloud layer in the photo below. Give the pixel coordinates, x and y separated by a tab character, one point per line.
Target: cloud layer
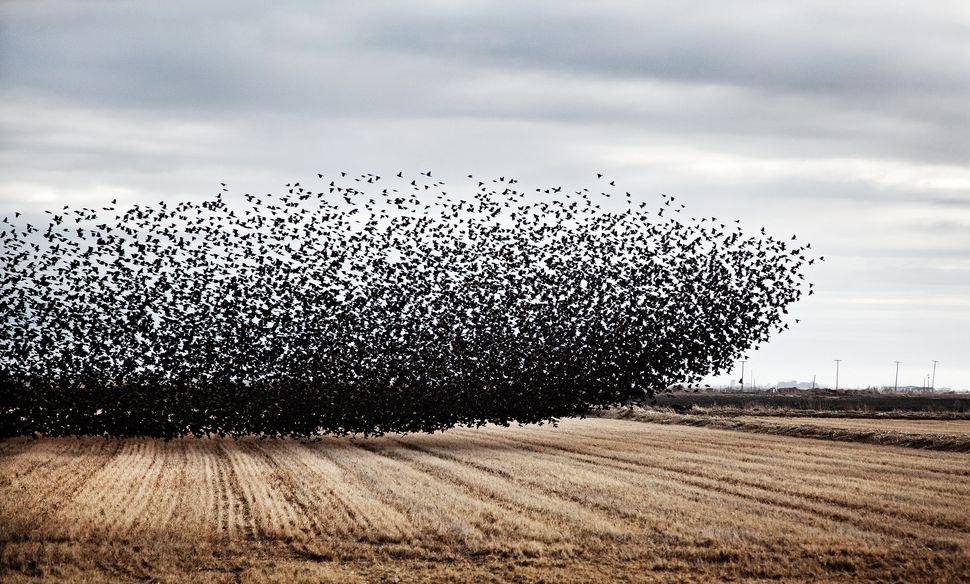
846	124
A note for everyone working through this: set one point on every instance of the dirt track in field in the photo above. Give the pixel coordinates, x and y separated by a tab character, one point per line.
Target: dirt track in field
598	499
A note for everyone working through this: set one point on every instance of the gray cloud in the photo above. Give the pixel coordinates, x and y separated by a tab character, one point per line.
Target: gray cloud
816	70
818	48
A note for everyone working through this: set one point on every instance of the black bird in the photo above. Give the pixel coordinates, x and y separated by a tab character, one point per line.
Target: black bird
384	312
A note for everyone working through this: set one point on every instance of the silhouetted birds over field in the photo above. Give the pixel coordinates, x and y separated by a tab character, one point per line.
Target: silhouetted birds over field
371	305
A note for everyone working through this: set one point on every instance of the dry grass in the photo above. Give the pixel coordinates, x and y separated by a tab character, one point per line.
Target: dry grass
822	403
593	500
954	428
945	435
767	411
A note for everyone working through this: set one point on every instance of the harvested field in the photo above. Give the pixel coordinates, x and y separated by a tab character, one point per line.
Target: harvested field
922	433
905	426
592	500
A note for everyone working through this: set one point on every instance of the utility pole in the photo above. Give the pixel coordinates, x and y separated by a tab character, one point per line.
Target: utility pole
813	382
933	383
743	361
837	361
896	383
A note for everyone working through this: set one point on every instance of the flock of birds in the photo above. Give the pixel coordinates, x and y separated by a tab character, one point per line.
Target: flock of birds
371	304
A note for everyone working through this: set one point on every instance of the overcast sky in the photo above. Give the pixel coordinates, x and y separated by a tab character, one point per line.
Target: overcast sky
846	123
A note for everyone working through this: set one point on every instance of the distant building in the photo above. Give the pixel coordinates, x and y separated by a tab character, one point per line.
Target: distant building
915	389
798	385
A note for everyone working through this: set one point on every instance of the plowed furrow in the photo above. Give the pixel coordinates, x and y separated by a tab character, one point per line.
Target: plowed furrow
355	510
858	457
845	490
318	489
518	497
658	500
774	495
59	487
437	510
238	520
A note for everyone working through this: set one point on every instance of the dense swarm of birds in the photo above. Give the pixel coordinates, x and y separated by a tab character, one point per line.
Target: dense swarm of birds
371	304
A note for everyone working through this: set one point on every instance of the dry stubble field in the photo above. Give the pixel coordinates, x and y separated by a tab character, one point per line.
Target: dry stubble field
592	500
918	427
